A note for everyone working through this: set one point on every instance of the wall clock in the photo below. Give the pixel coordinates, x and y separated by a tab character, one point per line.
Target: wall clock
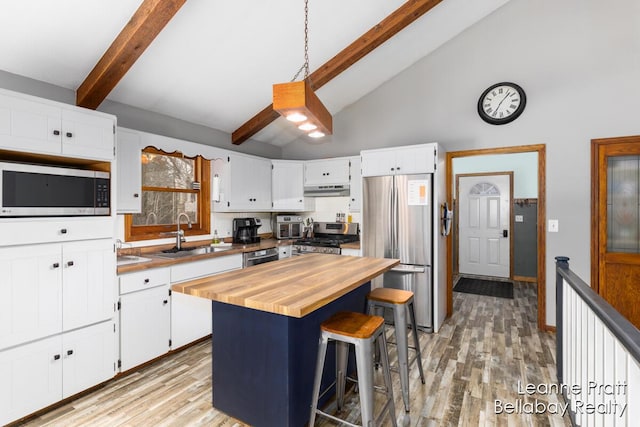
501	103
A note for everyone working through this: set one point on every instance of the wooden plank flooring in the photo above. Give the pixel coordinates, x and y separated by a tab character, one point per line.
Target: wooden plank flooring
479	355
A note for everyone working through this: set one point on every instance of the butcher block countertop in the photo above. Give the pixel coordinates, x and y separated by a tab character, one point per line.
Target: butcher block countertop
293	286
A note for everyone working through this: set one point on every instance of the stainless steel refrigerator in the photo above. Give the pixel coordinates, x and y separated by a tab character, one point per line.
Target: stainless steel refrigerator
397	223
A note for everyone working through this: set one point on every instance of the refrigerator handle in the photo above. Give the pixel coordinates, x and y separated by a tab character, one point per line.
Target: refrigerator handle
392	228
395	219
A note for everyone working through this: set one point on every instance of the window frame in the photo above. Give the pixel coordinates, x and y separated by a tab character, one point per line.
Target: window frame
202	227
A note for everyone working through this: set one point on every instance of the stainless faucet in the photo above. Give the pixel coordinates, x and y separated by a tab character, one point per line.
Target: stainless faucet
180	233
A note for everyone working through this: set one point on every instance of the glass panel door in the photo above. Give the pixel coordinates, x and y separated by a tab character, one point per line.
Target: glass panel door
623	204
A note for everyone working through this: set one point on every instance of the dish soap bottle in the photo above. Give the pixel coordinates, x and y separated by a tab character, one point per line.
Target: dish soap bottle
216	239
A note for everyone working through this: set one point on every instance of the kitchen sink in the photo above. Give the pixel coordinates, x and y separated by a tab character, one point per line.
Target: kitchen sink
185	252
130	259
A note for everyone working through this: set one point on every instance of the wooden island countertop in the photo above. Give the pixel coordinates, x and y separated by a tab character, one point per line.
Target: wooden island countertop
293	286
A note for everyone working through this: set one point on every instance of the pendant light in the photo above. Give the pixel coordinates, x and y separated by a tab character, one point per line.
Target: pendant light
296	100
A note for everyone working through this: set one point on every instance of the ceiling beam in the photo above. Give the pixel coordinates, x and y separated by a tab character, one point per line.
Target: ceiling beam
143	27
378	34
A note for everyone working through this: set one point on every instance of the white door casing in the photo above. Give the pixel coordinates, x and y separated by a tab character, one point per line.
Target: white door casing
484	224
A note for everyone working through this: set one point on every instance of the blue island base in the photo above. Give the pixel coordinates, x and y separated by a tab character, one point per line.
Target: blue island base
264	363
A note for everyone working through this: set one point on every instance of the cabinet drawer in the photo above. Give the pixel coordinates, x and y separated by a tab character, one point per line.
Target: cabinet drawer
143	280
26	232
192	270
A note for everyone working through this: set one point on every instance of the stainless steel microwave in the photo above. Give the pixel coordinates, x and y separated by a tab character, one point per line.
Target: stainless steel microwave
39	190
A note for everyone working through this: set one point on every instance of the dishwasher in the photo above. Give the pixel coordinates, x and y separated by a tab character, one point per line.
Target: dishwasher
259	257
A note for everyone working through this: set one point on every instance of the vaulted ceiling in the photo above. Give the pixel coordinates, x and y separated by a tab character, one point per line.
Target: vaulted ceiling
214	62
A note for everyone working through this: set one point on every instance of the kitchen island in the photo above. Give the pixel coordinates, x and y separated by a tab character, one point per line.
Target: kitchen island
266	326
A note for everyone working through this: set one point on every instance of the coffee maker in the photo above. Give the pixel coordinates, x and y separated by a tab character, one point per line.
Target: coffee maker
245	230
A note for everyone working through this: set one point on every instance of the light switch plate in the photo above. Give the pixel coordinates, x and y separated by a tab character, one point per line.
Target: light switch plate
519	218
553	226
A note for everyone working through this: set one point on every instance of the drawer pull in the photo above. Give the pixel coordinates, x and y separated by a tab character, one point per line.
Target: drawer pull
69	134
56	132
146	281
56	265
70	264
56	357
165	302
69	352
63	231
136	195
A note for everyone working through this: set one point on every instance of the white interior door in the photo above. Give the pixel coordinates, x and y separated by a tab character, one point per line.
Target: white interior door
484	224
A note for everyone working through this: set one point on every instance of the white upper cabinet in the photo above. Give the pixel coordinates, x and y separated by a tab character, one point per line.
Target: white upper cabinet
36	125
287	187
88	135
245	185
405	160
355	186
29	125
129	176
326	172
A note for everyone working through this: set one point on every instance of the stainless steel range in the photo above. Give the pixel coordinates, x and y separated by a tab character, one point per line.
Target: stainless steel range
327	238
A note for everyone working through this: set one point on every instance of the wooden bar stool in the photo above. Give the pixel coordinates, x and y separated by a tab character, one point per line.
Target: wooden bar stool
362	331
400	302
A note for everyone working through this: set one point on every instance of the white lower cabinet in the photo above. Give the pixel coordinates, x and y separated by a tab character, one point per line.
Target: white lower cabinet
284	251
55	287
145	316
40	373
191	316
31	378
190	319
88	357
350	252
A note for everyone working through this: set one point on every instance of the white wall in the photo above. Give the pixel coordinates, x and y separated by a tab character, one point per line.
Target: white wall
523	165
577	60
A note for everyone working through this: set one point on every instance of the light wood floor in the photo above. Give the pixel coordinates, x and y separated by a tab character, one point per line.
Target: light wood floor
478	357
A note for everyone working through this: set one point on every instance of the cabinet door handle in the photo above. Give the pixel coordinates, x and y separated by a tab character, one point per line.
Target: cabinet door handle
146	281
56	132
56	265
393	169
136	195
69	352
398	168
165	302
70	264
56	357
69	134
63	231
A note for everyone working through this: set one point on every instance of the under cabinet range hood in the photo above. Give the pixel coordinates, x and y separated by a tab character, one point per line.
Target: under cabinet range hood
326	190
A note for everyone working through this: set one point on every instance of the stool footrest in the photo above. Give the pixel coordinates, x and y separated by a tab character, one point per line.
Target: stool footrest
334	418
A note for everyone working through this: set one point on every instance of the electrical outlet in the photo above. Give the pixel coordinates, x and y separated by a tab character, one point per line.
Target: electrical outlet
553	226
519	218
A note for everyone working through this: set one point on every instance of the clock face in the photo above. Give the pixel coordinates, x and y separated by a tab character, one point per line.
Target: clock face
501	103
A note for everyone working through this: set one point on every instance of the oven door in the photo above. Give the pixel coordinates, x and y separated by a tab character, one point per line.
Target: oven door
259	257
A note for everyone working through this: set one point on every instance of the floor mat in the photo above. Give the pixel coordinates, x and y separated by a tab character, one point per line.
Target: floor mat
491	288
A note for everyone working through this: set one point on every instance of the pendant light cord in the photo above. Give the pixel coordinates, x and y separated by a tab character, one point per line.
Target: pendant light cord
305	66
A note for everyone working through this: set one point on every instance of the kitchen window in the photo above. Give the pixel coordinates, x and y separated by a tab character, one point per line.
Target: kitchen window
171	184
